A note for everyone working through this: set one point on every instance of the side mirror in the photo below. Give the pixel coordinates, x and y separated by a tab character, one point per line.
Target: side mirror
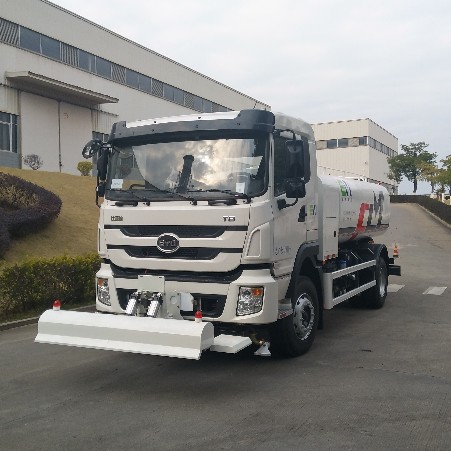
91	148
295	188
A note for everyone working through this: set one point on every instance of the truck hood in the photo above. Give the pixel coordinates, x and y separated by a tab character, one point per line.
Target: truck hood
176	236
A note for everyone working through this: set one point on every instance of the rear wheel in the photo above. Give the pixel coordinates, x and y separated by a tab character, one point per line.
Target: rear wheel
375	296
293	335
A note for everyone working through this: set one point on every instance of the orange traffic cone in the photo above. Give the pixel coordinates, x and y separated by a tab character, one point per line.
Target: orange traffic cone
395	251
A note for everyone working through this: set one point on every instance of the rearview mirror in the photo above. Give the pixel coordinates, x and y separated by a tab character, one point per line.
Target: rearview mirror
295	188
91	148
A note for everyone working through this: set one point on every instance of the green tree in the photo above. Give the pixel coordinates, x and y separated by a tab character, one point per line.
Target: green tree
444	176
429	173
396	165
409	163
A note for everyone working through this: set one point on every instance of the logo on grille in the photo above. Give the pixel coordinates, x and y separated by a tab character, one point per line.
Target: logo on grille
168	243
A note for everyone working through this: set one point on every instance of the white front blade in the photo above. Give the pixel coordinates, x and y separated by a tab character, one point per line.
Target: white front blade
156	336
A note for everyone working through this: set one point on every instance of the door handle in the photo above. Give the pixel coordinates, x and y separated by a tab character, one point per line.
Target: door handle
302	214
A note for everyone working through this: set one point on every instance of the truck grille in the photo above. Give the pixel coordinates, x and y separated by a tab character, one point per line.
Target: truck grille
182	276
179	230
184	253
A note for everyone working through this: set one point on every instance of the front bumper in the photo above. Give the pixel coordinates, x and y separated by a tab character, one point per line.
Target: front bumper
219	300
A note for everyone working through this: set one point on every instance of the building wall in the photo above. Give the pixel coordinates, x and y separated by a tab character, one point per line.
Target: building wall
361	149
55	126
58	23
346	162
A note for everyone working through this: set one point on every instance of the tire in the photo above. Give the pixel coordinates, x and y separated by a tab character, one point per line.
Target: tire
375	296
293	335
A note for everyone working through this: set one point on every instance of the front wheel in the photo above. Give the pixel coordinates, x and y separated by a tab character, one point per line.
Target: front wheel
293	335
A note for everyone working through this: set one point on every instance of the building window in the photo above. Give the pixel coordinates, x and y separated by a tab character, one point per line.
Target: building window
132	78
50	47
168	92
179	96
206	106
343	142
8	132
30	40
103	67
86	61
197	103
363	141
145	83
331	143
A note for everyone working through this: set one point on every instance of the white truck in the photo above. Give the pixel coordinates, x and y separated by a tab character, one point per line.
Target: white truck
216	233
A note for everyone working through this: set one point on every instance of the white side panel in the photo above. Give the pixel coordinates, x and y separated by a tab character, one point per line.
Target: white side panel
328	217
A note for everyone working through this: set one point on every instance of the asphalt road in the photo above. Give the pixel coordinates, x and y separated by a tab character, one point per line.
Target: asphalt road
373	379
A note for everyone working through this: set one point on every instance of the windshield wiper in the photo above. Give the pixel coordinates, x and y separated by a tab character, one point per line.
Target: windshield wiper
235	194
147	199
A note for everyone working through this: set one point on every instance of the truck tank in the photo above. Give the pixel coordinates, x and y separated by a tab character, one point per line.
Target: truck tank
350	209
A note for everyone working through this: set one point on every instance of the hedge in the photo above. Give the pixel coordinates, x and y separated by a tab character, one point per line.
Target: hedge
35	284
24	208
439	209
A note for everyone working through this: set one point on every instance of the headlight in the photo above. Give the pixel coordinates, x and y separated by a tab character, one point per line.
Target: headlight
250	300
103	291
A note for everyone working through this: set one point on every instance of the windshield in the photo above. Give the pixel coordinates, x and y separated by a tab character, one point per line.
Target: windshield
209	169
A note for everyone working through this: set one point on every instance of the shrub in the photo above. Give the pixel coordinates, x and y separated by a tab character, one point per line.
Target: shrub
26	208
5	240
85	168
33	161
35	284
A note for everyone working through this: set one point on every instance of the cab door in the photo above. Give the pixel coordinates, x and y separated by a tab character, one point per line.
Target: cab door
291	219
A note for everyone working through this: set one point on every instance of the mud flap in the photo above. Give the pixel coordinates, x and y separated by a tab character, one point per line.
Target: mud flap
156	336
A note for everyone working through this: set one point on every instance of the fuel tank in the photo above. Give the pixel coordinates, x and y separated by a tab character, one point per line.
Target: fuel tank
350	210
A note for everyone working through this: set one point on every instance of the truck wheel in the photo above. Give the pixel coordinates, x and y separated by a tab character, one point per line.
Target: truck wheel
293	335
375	296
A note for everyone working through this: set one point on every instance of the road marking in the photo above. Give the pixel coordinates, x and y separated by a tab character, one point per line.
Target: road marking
435	290
393	288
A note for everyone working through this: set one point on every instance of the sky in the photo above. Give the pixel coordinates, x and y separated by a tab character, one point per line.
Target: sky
321	60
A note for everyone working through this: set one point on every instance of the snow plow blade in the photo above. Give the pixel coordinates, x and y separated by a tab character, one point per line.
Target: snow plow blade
156	336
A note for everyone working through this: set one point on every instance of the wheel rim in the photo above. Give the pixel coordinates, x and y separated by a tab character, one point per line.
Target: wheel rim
382	282
303	317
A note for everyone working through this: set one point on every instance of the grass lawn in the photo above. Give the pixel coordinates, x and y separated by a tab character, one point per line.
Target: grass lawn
74	232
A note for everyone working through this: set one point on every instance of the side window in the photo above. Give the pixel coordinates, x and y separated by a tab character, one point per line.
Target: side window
280	175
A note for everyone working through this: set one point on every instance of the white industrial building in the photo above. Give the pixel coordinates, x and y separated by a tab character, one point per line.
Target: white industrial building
355	148
64	79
